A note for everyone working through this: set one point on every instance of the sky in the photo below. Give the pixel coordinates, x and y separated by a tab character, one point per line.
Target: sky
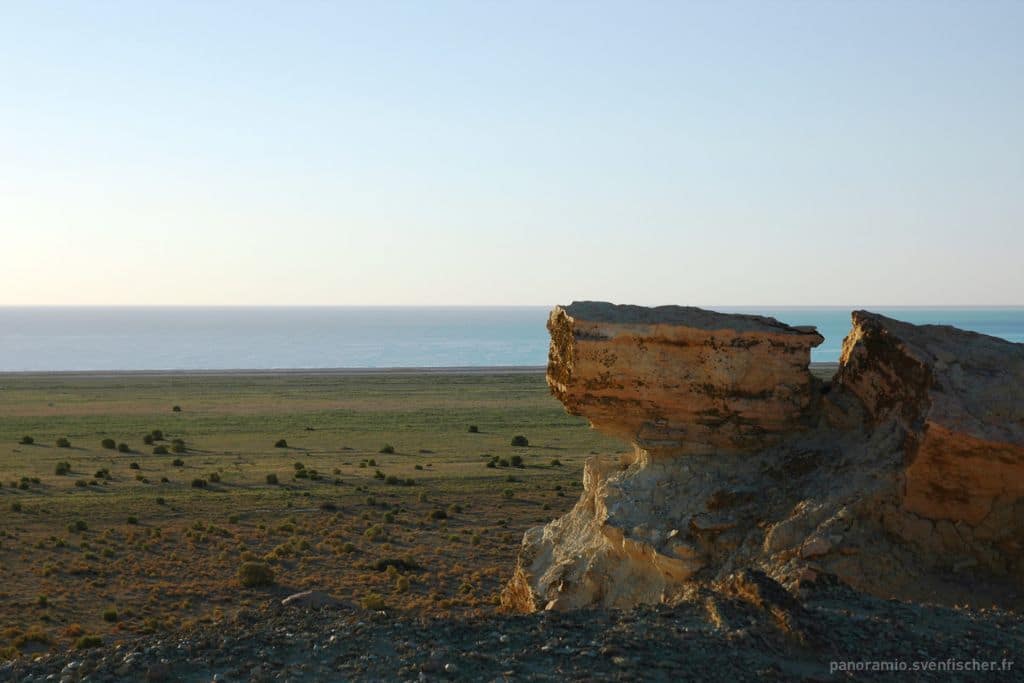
502	153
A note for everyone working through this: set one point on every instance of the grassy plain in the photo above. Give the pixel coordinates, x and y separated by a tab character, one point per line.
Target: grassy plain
125	543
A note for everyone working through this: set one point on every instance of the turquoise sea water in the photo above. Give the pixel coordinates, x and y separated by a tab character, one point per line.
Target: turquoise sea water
56	338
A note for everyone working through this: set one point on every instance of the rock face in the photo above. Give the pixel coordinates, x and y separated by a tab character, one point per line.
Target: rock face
899	477
960	397
677	380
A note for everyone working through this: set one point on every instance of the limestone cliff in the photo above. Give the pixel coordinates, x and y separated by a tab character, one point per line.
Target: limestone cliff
903	477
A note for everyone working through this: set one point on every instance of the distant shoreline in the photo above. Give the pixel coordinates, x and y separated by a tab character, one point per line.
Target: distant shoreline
313	372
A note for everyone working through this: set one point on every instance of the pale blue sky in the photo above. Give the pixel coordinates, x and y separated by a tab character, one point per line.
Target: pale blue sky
512	153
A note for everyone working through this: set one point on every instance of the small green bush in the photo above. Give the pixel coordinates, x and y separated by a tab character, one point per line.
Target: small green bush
124	448
214	477
148	439
517	461
179	447
255	574
157	435
520	440
556	463
178	462
63	442
132	519
439	514
160	450
27	441
473	429
508	493
272	479
62	468
280	443
109	444
86	642
15	506
199	483
388	449
133	466
372	601
176	409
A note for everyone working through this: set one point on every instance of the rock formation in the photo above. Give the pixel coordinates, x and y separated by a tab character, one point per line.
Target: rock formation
903	477
676	380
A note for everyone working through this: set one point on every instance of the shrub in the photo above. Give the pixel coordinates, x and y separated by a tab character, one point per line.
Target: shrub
63	442
393	480
299	466
15	506
520	440
328	505
419	467
214	477
255	574
78	525
179	447
81	483
556	463
491	464
404	564
502	462
517	461
199	483
157	435
160	450
509	493
110	614
439	514
148	439
108	444
102	474
178	462
132	519
272	479
160	500
372	601
86	642
280	443
301	474
349	547
473	429
133	466
388	449
378	475
62	468
27	441
164	480
124	448
176	409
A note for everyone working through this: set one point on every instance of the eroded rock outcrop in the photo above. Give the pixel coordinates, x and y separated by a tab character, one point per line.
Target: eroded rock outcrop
903	477
677	380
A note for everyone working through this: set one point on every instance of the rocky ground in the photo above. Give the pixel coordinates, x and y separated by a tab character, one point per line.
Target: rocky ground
748	630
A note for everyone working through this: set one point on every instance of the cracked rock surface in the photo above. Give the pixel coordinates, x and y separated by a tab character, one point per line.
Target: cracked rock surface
903	477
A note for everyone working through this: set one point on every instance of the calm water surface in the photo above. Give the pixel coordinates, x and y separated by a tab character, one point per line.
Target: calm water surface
129	338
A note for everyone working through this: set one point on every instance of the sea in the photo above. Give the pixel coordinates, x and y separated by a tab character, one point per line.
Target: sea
218	338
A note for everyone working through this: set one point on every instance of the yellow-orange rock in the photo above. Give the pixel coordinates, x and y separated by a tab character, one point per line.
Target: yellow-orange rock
681	380
959	396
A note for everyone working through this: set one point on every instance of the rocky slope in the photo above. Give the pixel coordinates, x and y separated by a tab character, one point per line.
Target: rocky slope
904	477
747	629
